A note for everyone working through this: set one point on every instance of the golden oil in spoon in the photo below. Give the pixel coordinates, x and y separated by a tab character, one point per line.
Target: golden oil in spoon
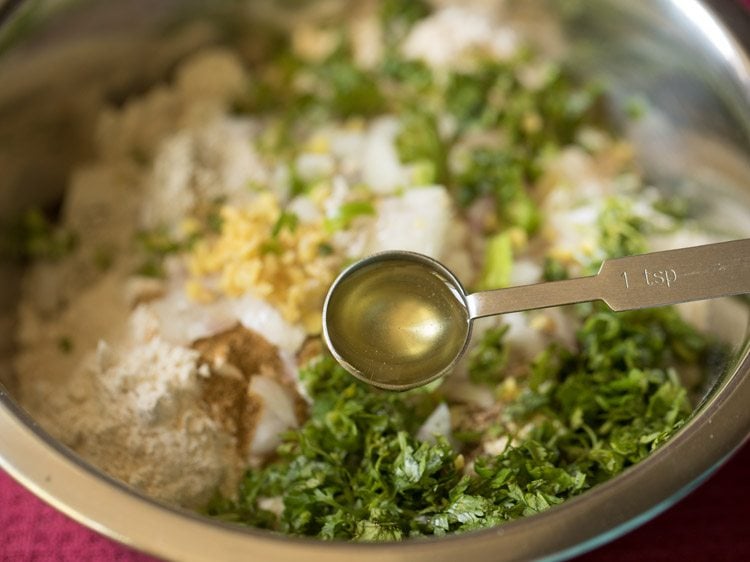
394	324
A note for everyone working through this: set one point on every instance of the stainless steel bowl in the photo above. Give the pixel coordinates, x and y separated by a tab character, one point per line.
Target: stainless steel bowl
59	60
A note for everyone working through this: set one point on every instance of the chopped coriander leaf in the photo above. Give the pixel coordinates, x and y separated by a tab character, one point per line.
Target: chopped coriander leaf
398	16
655	337
151	267
65	344
500	175
531	119
140	155
616	413
287	220
36	237
211	216
636	107
521	211
157	242
622	232
480	98
554	270
272	87
276	141
413	77
353	91
155	245
347	212
297	185
419	141
466	97
103	258
272	246
423	173
214	222
566	106
487	361
674	206
335	87
325	249
486	171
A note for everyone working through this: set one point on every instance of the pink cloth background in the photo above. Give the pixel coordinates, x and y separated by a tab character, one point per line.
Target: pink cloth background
711	524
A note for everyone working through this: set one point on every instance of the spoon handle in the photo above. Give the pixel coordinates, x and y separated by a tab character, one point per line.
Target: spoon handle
674	276
648	280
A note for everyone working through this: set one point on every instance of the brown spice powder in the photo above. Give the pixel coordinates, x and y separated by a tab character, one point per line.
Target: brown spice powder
234	357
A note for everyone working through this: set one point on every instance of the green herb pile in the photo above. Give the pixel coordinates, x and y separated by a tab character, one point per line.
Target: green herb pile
354	470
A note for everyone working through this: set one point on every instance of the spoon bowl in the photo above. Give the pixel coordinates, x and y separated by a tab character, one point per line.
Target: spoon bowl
397	320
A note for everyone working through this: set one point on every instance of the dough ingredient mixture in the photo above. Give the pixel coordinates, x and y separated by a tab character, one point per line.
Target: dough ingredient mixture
170	323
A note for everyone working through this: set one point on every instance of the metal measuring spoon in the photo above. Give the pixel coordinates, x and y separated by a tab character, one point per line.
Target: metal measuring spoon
398	320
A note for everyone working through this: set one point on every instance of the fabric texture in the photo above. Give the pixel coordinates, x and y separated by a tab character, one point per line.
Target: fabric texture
32	531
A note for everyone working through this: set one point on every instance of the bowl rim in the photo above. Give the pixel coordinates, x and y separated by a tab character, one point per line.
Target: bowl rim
718	428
